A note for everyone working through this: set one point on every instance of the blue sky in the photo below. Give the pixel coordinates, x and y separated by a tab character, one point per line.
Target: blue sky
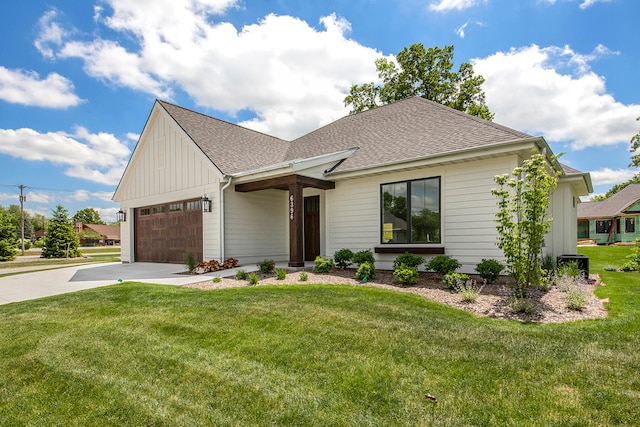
78	78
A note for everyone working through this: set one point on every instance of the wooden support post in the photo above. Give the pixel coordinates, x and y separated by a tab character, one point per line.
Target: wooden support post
296	225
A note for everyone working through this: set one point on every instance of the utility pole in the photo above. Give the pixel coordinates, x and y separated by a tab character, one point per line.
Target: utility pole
23	199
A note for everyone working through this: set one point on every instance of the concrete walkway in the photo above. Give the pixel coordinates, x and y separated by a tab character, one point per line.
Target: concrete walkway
38	284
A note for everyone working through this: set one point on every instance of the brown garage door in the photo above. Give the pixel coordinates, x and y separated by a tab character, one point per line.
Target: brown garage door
165	233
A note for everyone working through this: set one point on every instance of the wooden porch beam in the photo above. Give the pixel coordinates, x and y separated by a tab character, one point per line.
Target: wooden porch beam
285	183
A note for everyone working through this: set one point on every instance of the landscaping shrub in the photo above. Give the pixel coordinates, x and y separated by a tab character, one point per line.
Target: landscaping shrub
523	305
366	271
241	274
266	266
405	274
304	276
575	298
253	279
568	269
190	262
442	264
217	280
343	258
633	263
469	291
322	265
364	256
489	269
281	274
454	280
408	259
548	264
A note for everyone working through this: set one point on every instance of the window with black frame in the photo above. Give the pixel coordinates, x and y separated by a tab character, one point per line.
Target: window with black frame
410	211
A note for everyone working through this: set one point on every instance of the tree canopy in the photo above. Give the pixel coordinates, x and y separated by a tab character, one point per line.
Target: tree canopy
635	149
426	73
88	216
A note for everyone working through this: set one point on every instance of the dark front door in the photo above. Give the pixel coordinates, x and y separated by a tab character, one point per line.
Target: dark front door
311	227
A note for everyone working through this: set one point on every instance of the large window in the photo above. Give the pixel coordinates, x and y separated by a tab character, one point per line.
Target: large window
411	211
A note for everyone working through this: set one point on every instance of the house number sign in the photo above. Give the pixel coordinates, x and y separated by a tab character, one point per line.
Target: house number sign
291	211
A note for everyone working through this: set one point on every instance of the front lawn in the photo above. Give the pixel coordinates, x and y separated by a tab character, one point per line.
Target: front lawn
136	354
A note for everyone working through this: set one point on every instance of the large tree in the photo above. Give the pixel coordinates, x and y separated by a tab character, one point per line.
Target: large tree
88	216
426	73
61	241
8	242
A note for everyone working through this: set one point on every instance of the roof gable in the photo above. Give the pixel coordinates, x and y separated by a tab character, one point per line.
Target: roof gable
231	148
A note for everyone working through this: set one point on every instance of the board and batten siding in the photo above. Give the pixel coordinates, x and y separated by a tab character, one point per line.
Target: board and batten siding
166	167
256	226
562	239
467	210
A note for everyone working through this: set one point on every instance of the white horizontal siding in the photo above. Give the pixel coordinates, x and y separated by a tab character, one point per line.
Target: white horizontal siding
256	226
467	207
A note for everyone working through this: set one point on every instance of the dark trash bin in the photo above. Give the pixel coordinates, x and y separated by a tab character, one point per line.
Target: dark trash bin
582	260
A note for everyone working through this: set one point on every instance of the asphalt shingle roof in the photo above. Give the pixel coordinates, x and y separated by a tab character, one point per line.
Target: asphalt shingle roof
411	129
230	147
613	206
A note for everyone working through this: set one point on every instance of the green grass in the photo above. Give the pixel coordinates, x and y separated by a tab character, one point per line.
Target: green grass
136	354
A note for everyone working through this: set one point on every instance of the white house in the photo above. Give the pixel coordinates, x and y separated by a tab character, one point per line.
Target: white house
409	176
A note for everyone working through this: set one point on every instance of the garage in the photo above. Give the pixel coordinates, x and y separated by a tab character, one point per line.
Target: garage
166	232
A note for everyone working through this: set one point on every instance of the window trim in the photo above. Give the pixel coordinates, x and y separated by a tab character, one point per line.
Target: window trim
409	241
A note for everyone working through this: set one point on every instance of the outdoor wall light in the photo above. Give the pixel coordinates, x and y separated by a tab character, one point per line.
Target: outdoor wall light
206	204
122	216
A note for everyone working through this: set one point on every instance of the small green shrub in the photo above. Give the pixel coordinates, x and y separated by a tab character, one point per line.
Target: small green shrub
442	264
489	269
523	305
190	262
364	256
304	276
568	269
405	274
253	279
266	266
343	258
470	291
217	280
548	264
241	274
366	271
610	267
322	265
408	259
454	281
281	274
575	298
633	263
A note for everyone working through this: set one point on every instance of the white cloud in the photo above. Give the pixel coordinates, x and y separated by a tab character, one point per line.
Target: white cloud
607	176
50	33
446	5
587	3
552	91
27	88
292	76
97	157
460	30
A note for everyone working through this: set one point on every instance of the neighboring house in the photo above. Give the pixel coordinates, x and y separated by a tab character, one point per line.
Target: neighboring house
409	176
612	220
109	234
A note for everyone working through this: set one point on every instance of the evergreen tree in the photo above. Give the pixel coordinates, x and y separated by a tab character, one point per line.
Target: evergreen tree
61	240
8	243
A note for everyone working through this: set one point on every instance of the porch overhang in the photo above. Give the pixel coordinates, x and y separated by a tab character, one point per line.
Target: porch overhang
285	183
295	184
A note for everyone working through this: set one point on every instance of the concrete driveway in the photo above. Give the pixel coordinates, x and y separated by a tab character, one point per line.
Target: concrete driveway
38	284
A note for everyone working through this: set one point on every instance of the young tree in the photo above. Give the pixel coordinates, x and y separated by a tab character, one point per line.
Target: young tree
88	216
635	149
61	240
8	242
522	220
426	73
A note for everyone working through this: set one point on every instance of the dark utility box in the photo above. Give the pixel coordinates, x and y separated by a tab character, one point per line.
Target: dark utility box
582	260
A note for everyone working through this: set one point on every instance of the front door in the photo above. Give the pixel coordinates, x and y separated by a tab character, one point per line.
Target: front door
311	227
